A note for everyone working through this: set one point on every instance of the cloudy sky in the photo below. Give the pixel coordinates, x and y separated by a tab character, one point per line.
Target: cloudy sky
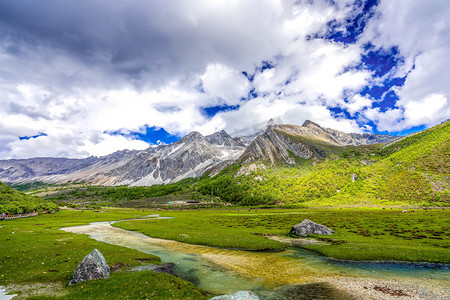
90	77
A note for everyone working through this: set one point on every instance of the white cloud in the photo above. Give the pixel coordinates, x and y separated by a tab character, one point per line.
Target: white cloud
80	74
109	144
385	121
420	30
426	111
357	103
230	85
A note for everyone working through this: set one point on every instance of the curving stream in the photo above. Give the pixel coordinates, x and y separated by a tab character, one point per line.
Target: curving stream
291	274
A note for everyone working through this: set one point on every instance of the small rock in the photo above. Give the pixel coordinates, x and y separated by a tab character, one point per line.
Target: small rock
404	211
93	266
241	295
307	227
164	268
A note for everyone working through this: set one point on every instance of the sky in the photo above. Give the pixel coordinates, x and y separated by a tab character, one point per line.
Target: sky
91	77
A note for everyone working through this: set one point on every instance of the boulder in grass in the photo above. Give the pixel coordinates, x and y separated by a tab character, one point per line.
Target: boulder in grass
93	266
241	295
307	227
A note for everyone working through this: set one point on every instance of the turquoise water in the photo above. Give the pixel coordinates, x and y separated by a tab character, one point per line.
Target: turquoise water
291	274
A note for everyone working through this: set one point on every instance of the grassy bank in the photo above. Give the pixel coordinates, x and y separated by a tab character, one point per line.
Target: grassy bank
37	260
360	234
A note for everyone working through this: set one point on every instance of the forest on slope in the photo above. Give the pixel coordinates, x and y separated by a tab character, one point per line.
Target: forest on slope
14	202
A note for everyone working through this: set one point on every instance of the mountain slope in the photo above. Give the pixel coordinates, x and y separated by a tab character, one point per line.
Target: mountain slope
222	138
281	143
411	172
14	202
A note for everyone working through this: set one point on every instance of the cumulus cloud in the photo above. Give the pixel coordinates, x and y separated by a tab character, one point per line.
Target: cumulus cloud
420	30
427	110
224	83
77	70
357	103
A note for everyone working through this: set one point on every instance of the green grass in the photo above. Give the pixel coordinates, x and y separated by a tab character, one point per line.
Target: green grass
83	195
206	227
360	234
34	251
138	285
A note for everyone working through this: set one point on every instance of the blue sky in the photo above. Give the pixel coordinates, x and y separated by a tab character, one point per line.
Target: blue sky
74	83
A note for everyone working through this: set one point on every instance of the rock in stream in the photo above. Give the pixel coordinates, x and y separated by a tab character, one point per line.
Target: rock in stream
307	227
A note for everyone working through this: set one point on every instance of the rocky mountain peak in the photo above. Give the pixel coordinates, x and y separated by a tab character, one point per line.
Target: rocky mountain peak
193	136
309	123
279	142
222	138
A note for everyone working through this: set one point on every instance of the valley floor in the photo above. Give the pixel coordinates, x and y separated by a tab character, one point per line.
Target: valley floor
37	258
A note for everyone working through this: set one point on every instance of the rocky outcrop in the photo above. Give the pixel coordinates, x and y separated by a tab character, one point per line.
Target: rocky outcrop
222	138
287	143
241	295
275	147
307	227
93	266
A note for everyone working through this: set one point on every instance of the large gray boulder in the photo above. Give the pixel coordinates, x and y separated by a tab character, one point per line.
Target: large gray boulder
307	227
93	266
241	295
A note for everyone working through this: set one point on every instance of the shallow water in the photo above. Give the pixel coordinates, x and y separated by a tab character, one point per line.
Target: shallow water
3	294
291	274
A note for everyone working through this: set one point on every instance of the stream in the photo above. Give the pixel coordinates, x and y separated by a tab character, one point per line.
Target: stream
291	274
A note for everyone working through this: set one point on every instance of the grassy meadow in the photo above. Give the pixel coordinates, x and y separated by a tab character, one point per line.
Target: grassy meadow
37	261
360	234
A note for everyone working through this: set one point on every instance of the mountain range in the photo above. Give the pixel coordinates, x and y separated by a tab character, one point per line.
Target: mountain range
191	156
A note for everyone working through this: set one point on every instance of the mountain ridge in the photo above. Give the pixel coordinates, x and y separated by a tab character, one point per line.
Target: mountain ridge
191	156
278	142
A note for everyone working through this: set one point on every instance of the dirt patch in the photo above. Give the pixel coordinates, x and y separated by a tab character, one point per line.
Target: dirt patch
389	291
144	259
117	267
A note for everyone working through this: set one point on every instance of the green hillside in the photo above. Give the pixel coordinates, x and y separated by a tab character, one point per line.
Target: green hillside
14	202
414	171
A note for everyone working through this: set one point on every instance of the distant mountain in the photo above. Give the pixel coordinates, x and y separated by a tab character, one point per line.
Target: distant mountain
222	138
281	143
189	157
12	170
